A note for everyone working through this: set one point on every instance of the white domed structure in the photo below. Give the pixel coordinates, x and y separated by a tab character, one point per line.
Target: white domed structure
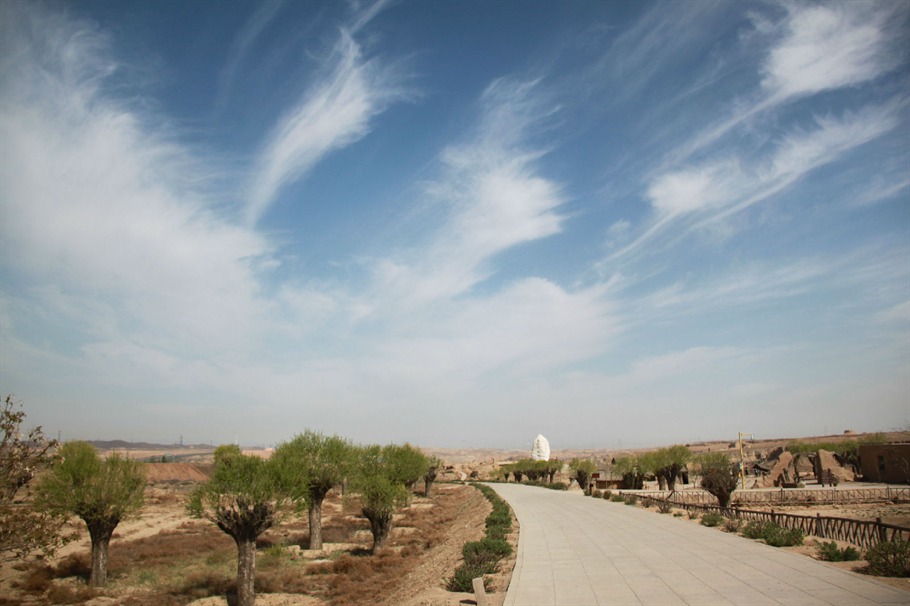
541	449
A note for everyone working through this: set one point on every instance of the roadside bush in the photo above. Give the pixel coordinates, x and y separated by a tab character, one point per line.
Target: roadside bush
773	534
631	499
557	486
482	557
597	494
617	498
678	514
889	559
732	524
712	519
694	515
608	494
664	507
830	552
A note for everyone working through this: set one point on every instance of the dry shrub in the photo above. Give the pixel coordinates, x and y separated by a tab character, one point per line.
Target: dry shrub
204	583
38	580
163	548
282	580
74	565
65	594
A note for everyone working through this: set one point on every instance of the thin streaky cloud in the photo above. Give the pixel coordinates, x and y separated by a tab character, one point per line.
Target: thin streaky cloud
332	113
243	43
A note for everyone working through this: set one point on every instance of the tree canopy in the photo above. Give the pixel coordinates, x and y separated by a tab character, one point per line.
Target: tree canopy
101	492
23	529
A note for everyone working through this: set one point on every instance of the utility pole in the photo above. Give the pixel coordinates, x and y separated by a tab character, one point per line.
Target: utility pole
742	458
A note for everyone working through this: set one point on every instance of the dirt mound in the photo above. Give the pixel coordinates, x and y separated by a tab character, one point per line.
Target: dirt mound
175	472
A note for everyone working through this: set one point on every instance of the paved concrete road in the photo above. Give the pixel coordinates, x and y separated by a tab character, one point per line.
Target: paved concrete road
576	551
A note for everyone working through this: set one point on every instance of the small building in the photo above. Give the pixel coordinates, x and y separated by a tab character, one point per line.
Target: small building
888	463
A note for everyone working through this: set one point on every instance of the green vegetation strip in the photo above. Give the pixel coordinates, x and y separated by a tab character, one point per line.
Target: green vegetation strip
482	557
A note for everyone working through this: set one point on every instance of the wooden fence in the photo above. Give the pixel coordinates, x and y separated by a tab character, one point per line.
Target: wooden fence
862	533
787	496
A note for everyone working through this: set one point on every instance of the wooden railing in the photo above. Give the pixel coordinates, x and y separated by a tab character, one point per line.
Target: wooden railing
787	496
862	533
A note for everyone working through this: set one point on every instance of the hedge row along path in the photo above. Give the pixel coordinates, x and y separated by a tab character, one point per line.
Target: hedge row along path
578	551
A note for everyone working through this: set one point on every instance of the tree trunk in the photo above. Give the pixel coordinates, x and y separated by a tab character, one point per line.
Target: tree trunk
100	541
427	485
316	523
100	533
380	526
246	572
662	482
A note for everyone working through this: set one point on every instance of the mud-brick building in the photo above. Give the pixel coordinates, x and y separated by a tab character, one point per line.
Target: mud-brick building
885	463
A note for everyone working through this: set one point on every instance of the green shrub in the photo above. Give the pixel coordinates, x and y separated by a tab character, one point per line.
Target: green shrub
694	514
773	534
889	559
755	529
463	579
711	519
557	486
678	514
608	494
664	507
732	524
597	494
617	498
830	552
630	499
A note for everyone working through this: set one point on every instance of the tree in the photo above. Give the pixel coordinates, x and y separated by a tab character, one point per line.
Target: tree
433	465
322	462
101	492
378	479
581	471
719	476
669	463
23	529
245	497
630	470
406	464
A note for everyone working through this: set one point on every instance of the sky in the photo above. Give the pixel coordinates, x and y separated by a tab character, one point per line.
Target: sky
457	224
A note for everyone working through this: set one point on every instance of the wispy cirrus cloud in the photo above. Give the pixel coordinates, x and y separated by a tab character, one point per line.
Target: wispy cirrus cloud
331	114
99	203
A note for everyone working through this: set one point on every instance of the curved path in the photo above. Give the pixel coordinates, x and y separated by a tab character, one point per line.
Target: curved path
576	551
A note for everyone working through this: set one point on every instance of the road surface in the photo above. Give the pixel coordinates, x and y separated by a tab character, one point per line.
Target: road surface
578	551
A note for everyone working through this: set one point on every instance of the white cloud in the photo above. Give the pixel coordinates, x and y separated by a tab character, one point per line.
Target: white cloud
96	203
492	199
330	115
828	46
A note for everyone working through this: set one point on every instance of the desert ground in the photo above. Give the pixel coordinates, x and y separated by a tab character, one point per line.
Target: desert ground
163	557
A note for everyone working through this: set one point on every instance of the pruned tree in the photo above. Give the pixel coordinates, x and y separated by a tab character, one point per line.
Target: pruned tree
433	466
321	462
581	471
630	470
719	476
24	529
245	497
669	462
101	492
406	464
378	480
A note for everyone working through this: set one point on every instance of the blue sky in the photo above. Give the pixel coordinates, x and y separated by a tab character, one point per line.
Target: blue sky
455	223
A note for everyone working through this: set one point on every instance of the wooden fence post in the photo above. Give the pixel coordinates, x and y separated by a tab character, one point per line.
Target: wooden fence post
818	525
773	516
882	537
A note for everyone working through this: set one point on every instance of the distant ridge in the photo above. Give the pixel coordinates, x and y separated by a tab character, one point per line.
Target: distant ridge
112	444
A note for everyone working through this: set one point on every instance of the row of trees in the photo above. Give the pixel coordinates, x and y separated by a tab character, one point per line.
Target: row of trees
248	495
534	471
666	464
245	496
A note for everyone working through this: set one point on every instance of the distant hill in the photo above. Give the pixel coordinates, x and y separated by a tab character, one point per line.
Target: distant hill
124	445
